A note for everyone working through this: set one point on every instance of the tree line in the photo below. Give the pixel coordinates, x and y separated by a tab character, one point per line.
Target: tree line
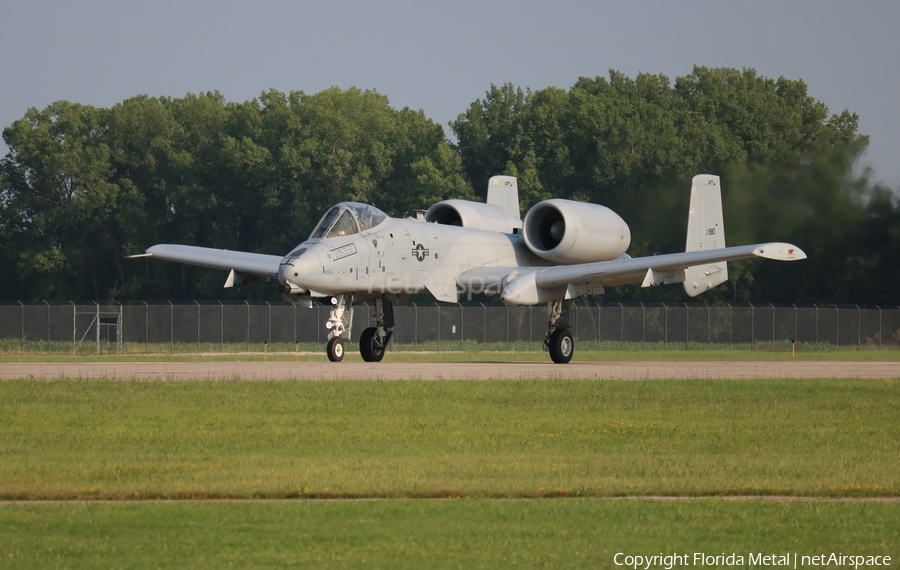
83	187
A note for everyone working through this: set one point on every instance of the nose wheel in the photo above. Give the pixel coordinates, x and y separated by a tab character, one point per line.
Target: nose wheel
335	349
338	323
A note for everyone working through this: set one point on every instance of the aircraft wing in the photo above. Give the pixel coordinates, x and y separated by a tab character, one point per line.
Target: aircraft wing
540	284
622	271
248	264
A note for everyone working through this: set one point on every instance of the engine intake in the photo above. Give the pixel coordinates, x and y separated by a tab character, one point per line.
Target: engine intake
570	232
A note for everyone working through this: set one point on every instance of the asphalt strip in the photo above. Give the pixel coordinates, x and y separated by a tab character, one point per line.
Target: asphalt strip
323	371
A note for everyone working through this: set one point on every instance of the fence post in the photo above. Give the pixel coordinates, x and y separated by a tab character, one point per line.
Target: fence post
171	327
269	332
462	319
773	325
248	324
879	327
622	327
22	305
817	325
730	325
97	326
507	329
837	326
74	328
599	323
752	327
146	325
416	327
574	310
796	330
858	328
198	325
48	325
687	327
708	326
666	325
438	307
221	327
483	326
643	324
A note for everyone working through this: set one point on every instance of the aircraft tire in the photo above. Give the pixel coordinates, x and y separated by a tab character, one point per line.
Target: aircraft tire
335	349
562	346
369	347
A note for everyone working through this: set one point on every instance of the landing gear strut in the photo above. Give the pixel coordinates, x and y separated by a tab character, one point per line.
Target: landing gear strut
559	341
340	304
374	340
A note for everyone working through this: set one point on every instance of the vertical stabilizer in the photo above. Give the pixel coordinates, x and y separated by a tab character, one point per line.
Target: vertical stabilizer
503	191
706	230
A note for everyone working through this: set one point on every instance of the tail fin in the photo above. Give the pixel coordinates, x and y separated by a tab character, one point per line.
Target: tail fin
503	191
706	230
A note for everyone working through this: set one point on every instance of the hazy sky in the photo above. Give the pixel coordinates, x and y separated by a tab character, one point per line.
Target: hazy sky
440	56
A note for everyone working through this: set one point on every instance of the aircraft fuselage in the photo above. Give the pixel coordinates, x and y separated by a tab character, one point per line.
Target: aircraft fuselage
399	257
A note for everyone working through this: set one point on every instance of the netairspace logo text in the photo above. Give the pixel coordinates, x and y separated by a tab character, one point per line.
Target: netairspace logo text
751	560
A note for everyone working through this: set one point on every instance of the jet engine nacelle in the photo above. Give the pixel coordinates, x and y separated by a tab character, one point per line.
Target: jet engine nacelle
570	232
473	215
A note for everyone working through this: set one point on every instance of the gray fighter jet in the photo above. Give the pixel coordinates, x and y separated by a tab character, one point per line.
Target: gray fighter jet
561	251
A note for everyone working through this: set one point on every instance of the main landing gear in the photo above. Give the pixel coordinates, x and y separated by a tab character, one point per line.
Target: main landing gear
374	340
559	341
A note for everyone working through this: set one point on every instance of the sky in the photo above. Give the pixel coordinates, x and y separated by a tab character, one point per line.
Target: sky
441	56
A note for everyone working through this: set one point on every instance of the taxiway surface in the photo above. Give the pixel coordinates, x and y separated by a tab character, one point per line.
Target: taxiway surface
448	370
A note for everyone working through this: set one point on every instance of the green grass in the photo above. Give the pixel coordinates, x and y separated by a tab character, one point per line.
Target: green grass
430	534
120	440
522	472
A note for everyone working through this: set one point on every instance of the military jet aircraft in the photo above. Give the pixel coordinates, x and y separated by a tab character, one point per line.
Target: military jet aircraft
561	251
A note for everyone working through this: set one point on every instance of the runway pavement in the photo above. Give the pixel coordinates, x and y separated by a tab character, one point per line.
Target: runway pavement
448	371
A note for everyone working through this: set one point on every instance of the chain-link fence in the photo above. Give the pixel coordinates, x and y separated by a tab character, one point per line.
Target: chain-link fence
248	327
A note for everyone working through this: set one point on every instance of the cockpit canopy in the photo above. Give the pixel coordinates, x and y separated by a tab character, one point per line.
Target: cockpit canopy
348	218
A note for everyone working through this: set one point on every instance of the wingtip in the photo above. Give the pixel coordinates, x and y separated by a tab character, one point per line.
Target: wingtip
780	252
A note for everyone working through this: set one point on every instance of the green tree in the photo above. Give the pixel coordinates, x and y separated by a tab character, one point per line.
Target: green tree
634	144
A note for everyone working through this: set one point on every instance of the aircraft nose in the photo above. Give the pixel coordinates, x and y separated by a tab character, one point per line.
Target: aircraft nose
294	270
289	274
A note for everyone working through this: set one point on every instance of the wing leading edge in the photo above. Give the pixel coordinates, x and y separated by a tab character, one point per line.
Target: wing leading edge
244	267
535	285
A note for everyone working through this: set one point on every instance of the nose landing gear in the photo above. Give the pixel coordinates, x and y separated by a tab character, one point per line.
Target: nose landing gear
340	304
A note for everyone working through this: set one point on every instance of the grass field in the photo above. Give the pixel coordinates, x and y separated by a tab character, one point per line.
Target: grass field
233	439
572	533
519	473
